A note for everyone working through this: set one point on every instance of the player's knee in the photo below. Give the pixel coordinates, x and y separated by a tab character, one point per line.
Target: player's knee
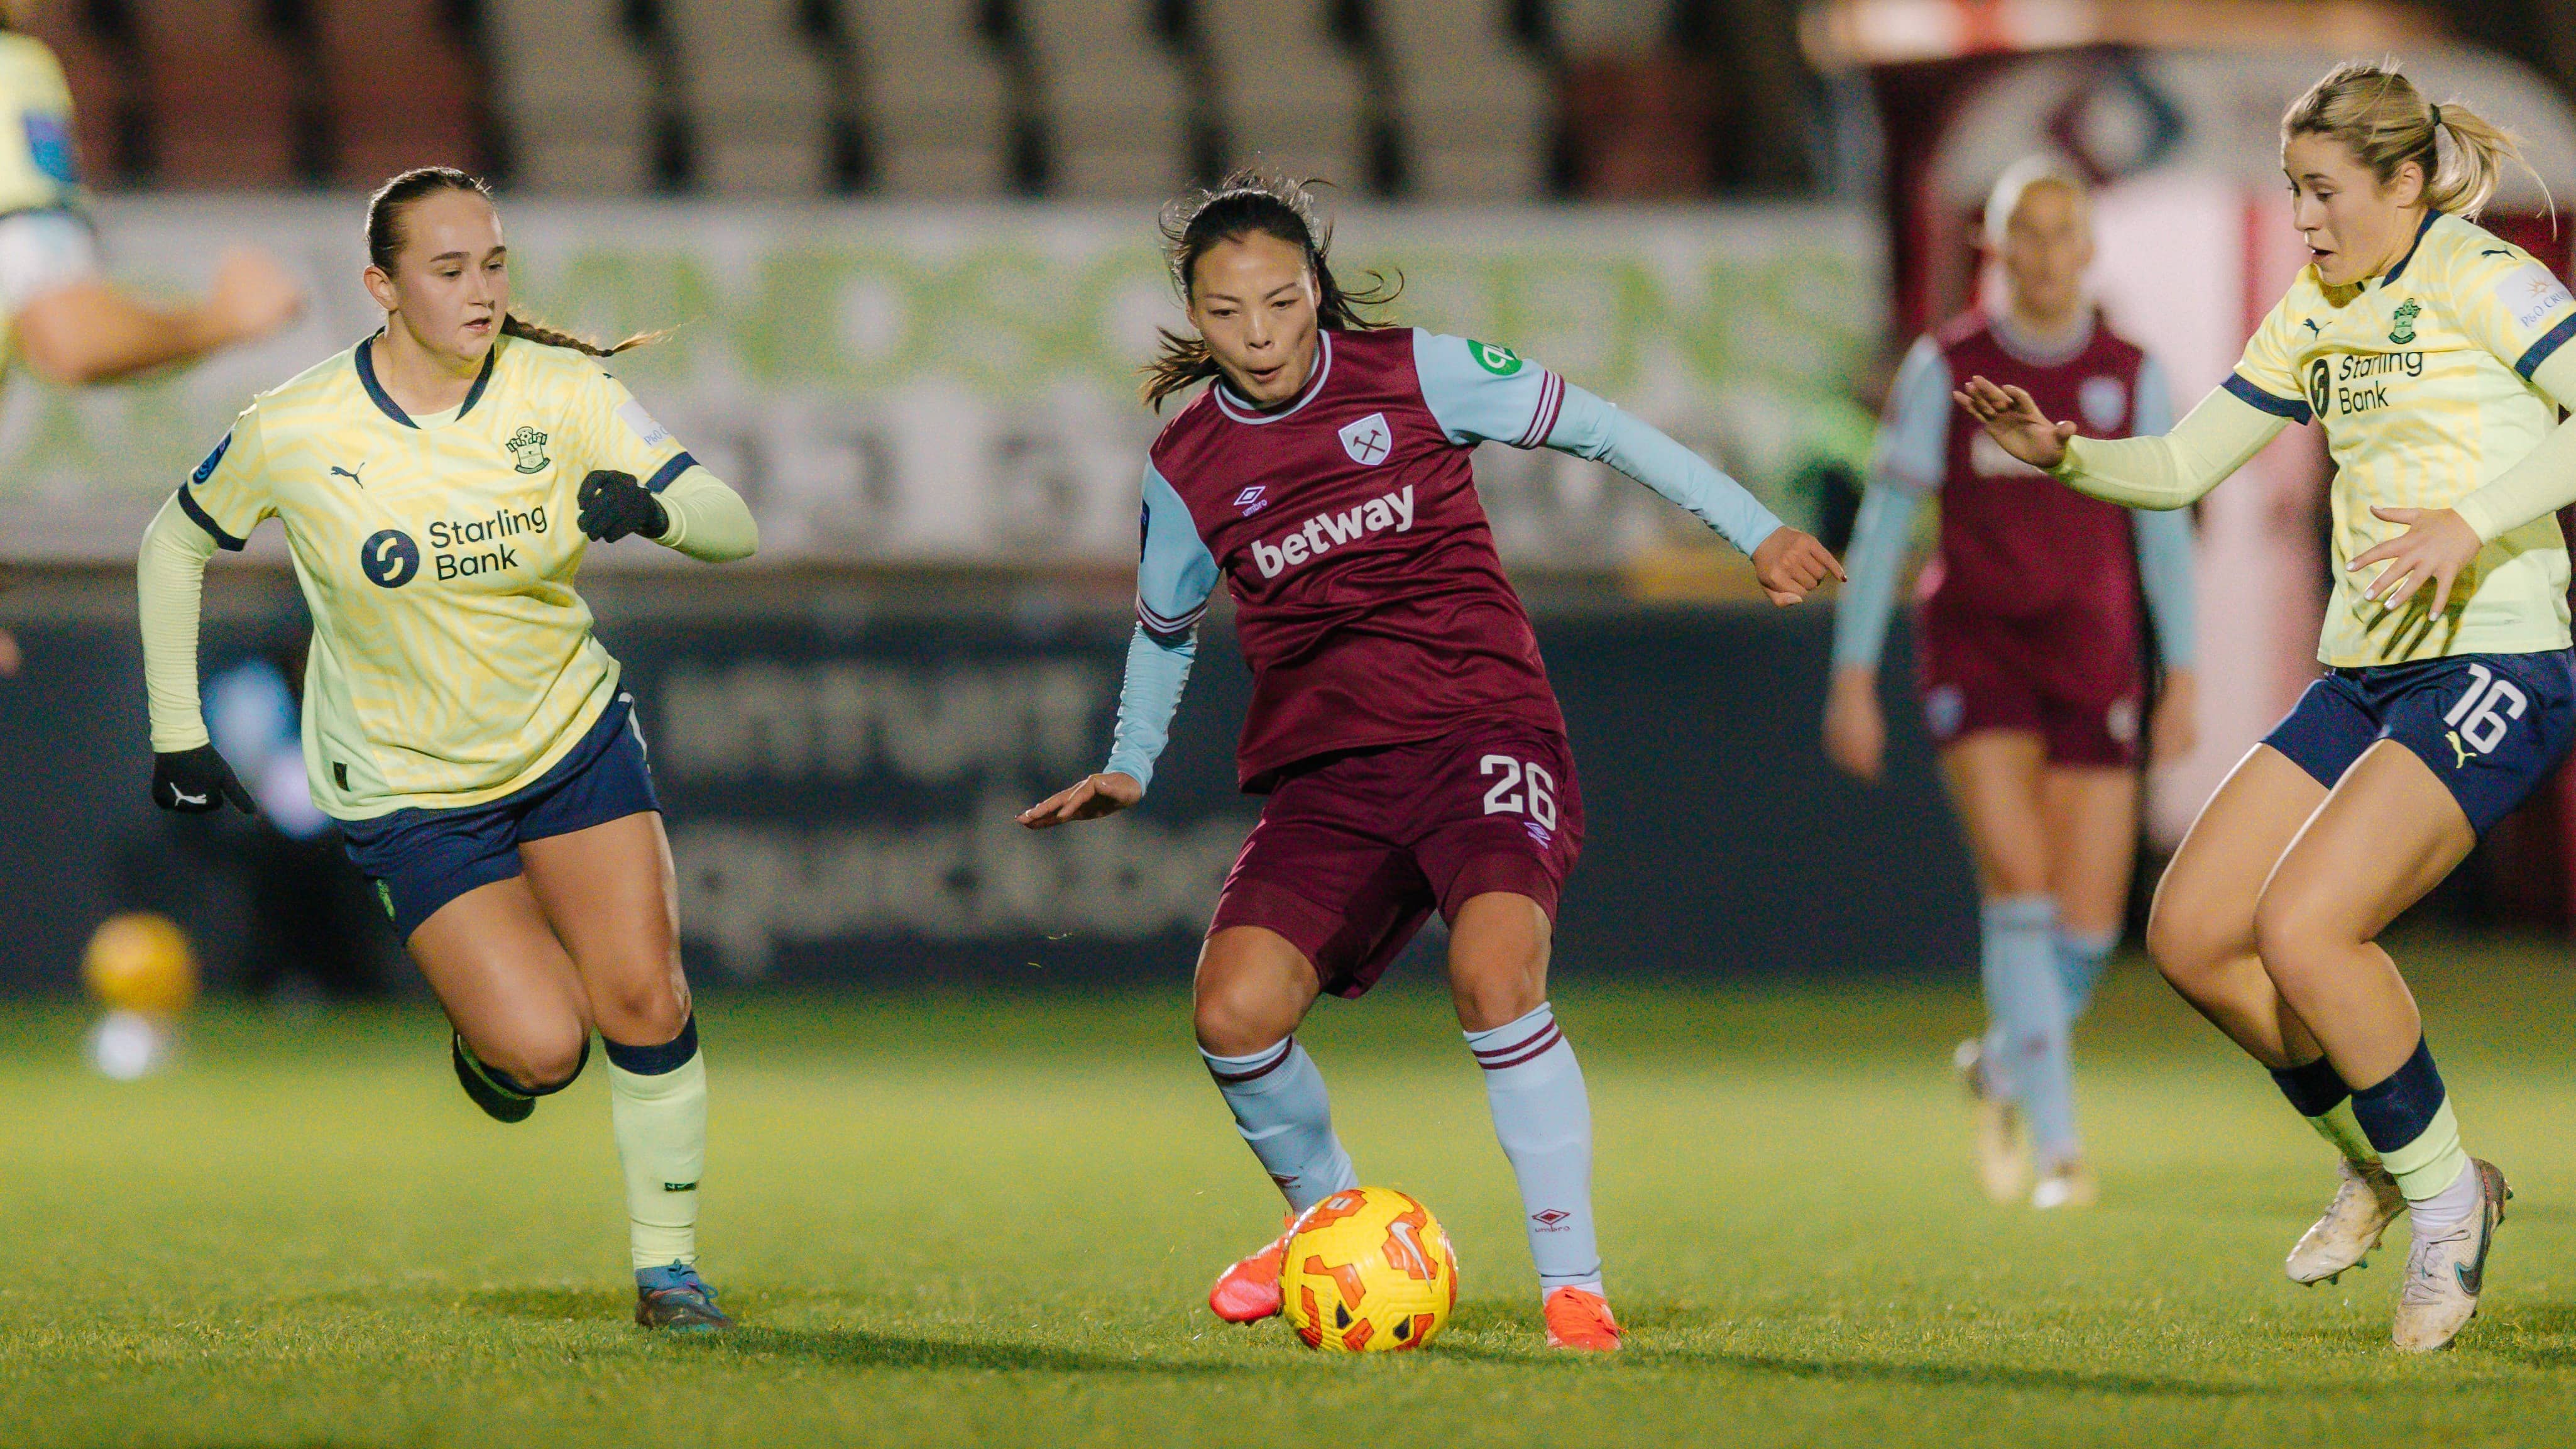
2291	929
2188	941
542	1061
1232	1021
643	1013
1494	999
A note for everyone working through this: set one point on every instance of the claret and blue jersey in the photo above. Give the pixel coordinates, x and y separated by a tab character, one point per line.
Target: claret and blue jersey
1370	604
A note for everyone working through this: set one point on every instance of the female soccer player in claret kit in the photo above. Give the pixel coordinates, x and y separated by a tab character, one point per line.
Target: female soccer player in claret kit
2433	355
1402	724
439	483
2031	681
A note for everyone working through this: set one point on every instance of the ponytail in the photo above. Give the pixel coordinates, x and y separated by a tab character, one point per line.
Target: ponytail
385	243
1247	202
2385	122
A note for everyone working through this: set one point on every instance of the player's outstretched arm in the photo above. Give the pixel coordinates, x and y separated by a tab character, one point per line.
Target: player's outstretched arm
697	514
1790	564
1158	670
2170	471
188	775
91	331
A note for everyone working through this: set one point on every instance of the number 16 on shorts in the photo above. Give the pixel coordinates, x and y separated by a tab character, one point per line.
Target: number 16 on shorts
2475	724
1524	787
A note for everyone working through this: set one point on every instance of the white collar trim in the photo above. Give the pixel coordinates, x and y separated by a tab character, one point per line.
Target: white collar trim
1243	412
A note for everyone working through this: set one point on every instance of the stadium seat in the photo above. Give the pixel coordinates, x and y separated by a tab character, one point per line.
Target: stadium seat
575	92
1595	27
1116	105
759	95
935	95
226	99
1475	108
399	89
1288	94
103	83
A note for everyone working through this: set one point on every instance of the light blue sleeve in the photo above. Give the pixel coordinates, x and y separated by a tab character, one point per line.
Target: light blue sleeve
1481	393
1589	427
2164	537
1175	575
1914	435
1874	561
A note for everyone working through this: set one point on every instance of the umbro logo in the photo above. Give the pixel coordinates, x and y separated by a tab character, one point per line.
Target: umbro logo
1250	501
1549	1218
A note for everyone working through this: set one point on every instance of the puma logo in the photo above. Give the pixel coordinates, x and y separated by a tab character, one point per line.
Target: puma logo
2313	328
182	797
2458	749
352	477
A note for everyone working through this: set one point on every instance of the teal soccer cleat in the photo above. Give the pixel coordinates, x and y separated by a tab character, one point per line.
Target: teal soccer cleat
676	1298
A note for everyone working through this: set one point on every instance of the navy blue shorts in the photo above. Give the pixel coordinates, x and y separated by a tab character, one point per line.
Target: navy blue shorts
2491	726
422	859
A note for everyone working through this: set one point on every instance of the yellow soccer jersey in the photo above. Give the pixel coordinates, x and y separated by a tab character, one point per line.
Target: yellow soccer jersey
451	662
2422	381
37	172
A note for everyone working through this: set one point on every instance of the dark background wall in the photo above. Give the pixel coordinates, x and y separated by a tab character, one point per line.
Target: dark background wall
839	770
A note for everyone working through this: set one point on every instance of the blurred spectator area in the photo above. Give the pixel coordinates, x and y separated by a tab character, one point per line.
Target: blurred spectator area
1462	100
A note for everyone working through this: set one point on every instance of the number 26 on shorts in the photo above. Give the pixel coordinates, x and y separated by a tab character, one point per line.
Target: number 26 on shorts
2474	719
1525	788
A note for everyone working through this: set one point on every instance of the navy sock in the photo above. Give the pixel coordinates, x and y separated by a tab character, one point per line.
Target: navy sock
2313	1089
654	1061
2396	1111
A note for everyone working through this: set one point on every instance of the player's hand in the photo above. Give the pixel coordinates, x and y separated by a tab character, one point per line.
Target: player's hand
1855	726
2175	730
1791	564
193	782
1096	796
614	505
2016	422
253	295
2435	547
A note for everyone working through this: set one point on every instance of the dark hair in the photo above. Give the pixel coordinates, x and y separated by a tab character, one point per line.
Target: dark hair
385	243
1249	201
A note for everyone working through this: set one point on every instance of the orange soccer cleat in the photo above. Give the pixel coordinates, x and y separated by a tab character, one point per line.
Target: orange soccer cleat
1248	1291
1579	1319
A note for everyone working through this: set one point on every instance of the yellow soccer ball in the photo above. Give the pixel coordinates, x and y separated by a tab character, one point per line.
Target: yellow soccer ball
139	961
1368	1270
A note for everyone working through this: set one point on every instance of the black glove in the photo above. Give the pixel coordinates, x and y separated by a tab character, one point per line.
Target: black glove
193	782
614	505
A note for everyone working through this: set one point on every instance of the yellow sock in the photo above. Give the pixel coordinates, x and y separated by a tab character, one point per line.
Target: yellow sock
2343	1129
661	1125
2433	1161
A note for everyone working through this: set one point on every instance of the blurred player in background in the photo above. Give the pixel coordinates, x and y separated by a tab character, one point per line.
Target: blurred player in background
1402	723
2032	684
61	317
461	721
2434	356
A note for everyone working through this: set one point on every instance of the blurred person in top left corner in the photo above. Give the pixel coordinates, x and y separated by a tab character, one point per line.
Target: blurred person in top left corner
58	314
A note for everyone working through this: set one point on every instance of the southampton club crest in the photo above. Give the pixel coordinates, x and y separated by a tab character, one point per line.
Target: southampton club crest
528	450
2404	316
1368	440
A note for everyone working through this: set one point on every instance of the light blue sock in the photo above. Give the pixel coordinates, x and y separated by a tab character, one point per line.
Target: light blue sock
2079	965
1544	1119
2026	1045
1286	1117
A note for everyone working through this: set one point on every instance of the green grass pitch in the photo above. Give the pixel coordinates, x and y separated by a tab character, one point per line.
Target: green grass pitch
991	1220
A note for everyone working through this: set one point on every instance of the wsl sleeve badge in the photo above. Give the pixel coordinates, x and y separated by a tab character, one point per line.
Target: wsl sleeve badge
1368	1270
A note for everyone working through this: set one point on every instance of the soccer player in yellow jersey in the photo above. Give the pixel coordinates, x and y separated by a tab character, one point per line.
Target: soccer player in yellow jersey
439	483
2433	355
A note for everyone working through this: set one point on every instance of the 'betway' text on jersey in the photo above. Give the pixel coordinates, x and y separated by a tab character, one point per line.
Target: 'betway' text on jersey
1393	510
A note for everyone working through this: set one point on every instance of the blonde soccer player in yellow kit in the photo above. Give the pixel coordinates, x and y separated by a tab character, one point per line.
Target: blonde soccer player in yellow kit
439	483
2433	355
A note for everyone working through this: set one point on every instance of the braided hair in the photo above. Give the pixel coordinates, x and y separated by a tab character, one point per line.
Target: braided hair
385	243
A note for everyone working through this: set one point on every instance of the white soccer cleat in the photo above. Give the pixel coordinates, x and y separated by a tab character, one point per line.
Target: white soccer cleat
2067	1185
2444	1275
2003	1161
2366	1201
